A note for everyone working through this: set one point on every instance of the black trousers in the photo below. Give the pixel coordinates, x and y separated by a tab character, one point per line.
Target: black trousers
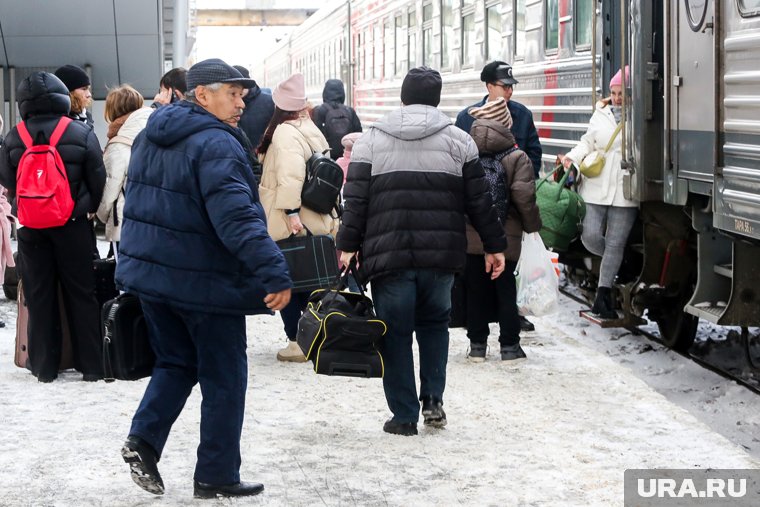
49	257
481	294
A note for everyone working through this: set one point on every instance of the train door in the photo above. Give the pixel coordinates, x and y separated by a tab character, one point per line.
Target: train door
692	96
737	182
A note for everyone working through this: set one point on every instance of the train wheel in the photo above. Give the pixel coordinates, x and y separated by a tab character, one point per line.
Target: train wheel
677	328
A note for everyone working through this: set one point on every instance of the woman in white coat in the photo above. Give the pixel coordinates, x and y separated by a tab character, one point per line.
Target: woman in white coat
609	214
126	117
289	141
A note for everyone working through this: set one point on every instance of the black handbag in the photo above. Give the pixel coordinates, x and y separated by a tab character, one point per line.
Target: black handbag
312	261
127	354
339	332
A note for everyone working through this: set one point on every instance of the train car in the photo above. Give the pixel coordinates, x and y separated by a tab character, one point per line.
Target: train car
691	143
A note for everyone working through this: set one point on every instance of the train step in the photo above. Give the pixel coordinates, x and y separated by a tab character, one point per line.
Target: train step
624	321
726	270
709	311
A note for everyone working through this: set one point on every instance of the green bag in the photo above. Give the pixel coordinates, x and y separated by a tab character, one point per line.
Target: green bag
562	211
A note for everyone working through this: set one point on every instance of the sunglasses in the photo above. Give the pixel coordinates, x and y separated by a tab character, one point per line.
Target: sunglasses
505	86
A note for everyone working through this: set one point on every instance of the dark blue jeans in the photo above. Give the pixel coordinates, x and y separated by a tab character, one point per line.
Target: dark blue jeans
193	347
414	301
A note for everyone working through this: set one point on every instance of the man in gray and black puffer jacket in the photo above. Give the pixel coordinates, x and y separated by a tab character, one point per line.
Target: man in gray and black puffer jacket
412	179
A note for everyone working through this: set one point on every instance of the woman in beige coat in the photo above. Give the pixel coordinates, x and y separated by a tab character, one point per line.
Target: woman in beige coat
126	117
289	141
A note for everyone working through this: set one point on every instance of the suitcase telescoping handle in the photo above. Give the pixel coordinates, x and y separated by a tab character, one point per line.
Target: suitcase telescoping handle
107	335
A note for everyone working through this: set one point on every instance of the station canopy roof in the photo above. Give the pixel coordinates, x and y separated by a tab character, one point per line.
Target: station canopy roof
120	40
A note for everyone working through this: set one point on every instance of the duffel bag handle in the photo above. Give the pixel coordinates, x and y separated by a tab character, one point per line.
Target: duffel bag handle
561	182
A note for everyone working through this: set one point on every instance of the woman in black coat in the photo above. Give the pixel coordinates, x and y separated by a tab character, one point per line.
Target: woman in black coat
62	255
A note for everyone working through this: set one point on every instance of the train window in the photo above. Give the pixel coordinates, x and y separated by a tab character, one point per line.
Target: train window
519	41
359	52
427	35
493	29
468	40
583	18
749	7
447	32
377	48
390	51
411	47
399	44
551	25
367	57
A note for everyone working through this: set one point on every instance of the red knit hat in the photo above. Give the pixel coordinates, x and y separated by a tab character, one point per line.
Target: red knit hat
290	95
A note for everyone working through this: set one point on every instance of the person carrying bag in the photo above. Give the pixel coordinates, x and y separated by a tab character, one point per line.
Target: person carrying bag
593	163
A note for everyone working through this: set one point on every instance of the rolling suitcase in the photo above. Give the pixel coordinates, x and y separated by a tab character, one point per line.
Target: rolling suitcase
21	357
127	354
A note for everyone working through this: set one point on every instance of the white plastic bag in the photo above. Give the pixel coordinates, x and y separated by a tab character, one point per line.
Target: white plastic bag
537	282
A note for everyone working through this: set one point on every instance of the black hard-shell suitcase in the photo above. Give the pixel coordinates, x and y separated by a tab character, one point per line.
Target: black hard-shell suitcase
127	354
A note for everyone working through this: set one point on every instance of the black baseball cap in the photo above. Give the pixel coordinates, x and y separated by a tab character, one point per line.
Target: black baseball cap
498	71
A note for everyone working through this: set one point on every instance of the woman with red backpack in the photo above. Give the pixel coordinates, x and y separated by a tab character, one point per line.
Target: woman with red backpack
54	208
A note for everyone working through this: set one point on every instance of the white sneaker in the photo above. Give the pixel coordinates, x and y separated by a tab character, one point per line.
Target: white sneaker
291	353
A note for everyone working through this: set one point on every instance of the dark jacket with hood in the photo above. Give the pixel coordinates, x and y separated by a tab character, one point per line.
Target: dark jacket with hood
413	176
333	98
259	108
523	129
522	213
43	100
194	233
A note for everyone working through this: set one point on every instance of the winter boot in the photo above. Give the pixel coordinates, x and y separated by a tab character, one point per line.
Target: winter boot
398	428
513	353
432	411
526	325
603	304
477	352
291	353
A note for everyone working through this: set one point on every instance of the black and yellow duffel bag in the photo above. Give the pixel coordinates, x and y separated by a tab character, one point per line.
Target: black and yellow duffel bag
340	334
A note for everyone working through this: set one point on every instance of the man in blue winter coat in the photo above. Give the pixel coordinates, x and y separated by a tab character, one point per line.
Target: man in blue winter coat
500	83
195	250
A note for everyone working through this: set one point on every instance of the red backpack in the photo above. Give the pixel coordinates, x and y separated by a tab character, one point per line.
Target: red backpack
43	195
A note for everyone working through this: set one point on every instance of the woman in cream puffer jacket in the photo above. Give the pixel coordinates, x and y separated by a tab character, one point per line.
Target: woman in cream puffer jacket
292	144
289	141
126	118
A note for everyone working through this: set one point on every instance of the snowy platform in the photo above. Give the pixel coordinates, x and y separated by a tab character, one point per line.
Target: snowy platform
558	429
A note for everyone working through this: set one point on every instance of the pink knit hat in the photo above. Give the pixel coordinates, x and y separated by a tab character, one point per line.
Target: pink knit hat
290	95
617	79
349	140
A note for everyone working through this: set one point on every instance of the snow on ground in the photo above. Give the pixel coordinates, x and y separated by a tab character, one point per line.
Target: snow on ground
558	429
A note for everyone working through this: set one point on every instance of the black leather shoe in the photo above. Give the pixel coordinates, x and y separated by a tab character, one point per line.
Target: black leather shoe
526	325
399	428
92	377
203	490
432	411
142	460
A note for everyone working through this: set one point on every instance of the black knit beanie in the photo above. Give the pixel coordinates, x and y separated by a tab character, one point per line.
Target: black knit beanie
73	77
422	85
